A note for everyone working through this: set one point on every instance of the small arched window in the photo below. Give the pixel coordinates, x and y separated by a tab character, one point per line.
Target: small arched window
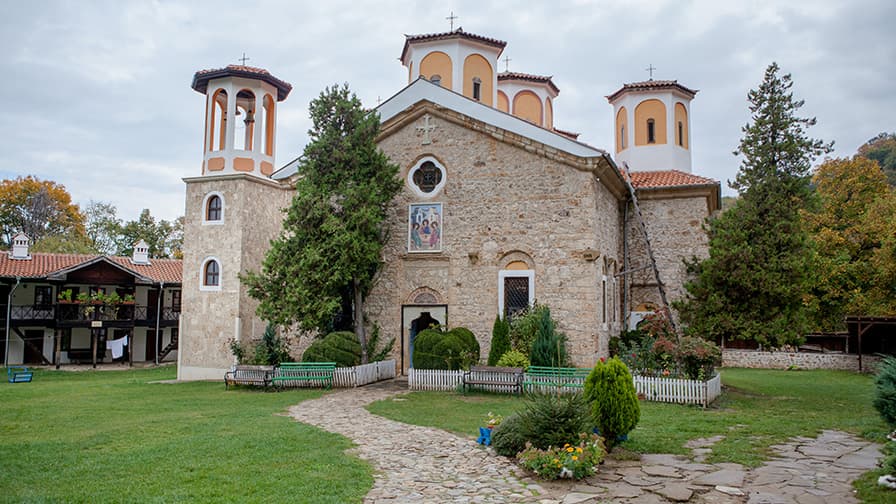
213	209
680	134
218	124
211	275
622	136
436	79
651	131
477	88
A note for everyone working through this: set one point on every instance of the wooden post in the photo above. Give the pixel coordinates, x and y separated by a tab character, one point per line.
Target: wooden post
93	337
860	331
57	348
131	348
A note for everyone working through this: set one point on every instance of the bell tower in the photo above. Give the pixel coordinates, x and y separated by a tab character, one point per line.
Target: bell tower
233	210
240	119
652	125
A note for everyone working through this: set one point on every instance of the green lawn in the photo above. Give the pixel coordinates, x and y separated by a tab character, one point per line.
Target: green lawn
758	408
112	436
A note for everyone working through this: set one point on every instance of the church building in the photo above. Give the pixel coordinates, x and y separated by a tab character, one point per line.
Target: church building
499	209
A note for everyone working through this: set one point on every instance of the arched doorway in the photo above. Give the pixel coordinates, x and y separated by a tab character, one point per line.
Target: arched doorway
423	308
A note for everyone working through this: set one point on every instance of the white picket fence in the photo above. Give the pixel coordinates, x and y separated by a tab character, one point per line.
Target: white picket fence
653	388
357	376
679	391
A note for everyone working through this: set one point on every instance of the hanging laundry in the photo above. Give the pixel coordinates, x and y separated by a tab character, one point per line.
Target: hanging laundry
117	347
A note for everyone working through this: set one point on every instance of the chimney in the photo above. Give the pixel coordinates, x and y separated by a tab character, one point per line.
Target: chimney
20	247
141	253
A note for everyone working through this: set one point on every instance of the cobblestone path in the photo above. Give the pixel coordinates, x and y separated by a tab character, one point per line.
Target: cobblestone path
422	464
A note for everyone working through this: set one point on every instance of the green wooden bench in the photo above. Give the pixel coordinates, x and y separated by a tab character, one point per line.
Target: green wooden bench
19	374
304	372
544	376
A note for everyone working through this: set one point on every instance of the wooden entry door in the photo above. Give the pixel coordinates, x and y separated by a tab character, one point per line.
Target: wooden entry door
415	318
34	347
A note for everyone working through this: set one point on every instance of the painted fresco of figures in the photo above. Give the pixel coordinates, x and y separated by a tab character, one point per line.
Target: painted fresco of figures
425	227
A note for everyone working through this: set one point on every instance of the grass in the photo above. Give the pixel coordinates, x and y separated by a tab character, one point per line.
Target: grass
758	409
113	436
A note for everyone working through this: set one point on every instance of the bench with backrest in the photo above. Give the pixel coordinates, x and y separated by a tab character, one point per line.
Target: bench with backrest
506	377
557	377
19	374
299	373
258	376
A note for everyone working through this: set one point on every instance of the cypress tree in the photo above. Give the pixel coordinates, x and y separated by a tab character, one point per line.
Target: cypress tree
752	284
500	340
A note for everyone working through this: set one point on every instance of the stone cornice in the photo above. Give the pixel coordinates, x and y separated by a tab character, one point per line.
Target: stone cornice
239	176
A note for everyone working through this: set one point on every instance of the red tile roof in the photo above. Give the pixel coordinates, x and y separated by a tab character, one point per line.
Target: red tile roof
42	265
458	33
650	85
201	78
668	178
546	79
571	134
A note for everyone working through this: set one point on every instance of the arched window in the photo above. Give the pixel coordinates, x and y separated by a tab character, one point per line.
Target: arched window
680	134
245	129
477	88
651	131
211	275
217	129
436	79
213	209
622	136
268	125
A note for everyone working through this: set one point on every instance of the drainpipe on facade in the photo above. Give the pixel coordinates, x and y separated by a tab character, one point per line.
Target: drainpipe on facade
8	315
159	317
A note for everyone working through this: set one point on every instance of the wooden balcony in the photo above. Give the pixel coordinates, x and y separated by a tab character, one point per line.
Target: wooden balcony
64	314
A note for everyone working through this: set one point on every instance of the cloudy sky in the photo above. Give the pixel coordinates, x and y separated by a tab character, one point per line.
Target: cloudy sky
99	97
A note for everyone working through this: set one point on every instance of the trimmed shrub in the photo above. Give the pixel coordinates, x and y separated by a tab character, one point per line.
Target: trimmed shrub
425	356
508	438
549	347
554	420
500	340
455	349
885	391
341	347
610	391
513	358
698	357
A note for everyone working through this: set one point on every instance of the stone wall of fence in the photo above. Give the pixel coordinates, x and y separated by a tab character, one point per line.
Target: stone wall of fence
803	360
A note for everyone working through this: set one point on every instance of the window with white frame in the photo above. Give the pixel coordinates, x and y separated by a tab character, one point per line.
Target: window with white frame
213	208
516	291
427	177
210	275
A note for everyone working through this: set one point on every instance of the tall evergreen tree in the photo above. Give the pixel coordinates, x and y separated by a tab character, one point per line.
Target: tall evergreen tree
752	284
333	233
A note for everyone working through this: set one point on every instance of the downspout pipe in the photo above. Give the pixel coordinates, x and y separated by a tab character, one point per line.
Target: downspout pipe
159	318
8	315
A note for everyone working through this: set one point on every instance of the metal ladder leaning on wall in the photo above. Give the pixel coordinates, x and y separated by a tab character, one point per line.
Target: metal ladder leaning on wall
643	226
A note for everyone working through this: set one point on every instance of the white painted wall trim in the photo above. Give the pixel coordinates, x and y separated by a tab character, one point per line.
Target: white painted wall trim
530	274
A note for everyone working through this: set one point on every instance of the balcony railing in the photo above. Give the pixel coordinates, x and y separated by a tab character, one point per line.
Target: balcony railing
77	312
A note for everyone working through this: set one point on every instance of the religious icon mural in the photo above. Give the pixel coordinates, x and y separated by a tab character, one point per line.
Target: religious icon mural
425	227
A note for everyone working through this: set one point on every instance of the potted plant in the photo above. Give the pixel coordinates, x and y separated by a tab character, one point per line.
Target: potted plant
64	296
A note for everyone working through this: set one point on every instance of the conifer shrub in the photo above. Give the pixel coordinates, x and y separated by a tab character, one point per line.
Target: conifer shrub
508	438
341	347
885	391
610	392
271	350
549	347
513	358
455	349
554	420
500	340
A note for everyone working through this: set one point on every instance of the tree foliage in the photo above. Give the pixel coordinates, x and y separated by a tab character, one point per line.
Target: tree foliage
165	238
752	284
500	340
882	149
549	347
39	208
611	396
850	225
334	232
102	226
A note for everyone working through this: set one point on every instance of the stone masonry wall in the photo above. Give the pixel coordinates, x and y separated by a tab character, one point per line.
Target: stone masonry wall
802	360
674	226
500	203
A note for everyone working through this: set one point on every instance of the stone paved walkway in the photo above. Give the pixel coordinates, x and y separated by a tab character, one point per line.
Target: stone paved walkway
421	464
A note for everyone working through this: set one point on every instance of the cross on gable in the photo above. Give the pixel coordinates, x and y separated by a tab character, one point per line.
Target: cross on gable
244	59
451	18
650	69
507	61
426	129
